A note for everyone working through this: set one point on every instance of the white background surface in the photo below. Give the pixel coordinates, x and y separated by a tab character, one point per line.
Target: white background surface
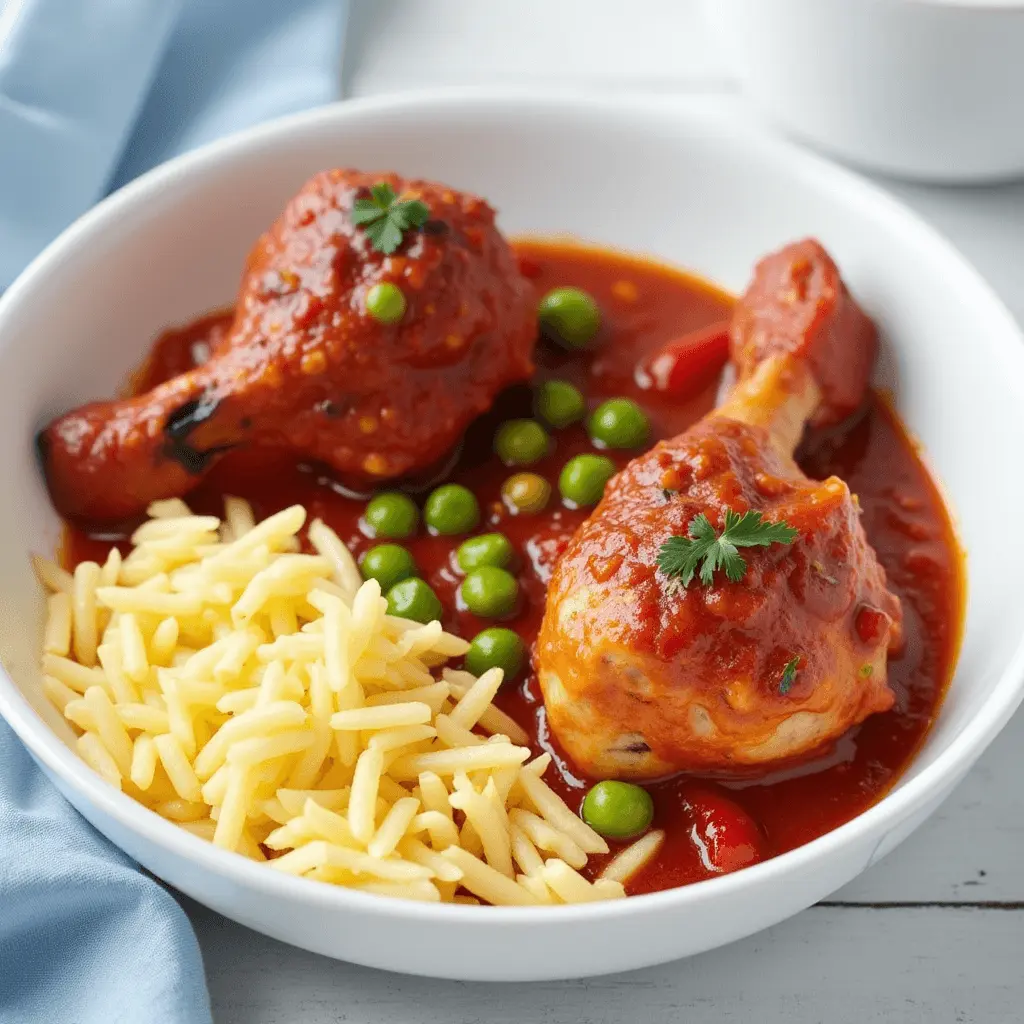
935	933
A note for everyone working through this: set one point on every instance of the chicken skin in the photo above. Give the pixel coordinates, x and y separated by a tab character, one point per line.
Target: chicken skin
644	674
305	367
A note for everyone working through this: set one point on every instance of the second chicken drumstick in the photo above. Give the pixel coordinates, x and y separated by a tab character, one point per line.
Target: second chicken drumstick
720	610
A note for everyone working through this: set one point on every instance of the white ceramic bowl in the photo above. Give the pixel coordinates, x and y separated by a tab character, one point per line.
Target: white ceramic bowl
925	89
684	187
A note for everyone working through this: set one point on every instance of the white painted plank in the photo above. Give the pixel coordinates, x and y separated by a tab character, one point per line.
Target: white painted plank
840	966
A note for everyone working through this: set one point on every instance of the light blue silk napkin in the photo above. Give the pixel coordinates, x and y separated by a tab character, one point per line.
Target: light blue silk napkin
92	93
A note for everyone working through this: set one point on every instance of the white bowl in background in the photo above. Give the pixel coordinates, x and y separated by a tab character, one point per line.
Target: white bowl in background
923	89
681	186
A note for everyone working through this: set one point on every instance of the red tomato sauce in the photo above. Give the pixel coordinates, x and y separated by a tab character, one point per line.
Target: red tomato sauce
711	826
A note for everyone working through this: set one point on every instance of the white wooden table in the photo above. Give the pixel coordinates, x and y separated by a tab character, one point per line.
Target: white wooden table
935	933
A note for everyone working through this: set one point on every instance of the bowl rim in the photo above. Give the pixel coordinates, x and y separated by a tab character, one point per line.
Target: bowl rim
896	807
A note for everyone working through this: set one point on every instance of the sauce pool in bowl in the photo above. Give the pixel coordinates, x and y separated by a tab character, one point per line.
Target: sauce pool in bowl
645	305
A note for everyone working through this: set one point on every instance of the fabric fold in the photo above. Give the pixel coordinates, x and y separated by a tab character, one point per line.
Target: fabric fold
85	936
73	77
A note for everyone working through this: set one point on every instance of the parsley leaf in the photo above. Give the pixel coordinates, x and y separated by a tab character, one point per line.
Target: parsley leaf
680	557
386	218
789	675
384	235
383	194
366	211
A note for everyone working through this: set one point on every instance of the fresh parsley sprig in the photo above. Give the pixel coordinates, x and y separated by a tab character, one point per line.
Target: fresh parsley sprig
386	218
680	557
789	675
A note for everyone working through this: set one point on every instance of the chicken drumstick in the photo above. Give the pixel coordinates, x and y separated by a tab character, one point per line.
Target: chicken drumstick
305	367
645	672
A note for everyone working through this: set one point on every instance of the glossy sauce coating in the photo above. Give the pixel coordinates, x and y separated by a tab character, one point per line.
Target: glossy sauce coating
644	306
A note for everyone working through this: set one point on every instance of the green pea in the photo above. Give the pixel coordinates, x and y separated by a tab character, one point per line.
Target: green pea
569	316
520	442
618	810
490	592
496	648
451	509
487	549
414	599
619	423
386	303
388	564
392	515
526	493
559	403
583	477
